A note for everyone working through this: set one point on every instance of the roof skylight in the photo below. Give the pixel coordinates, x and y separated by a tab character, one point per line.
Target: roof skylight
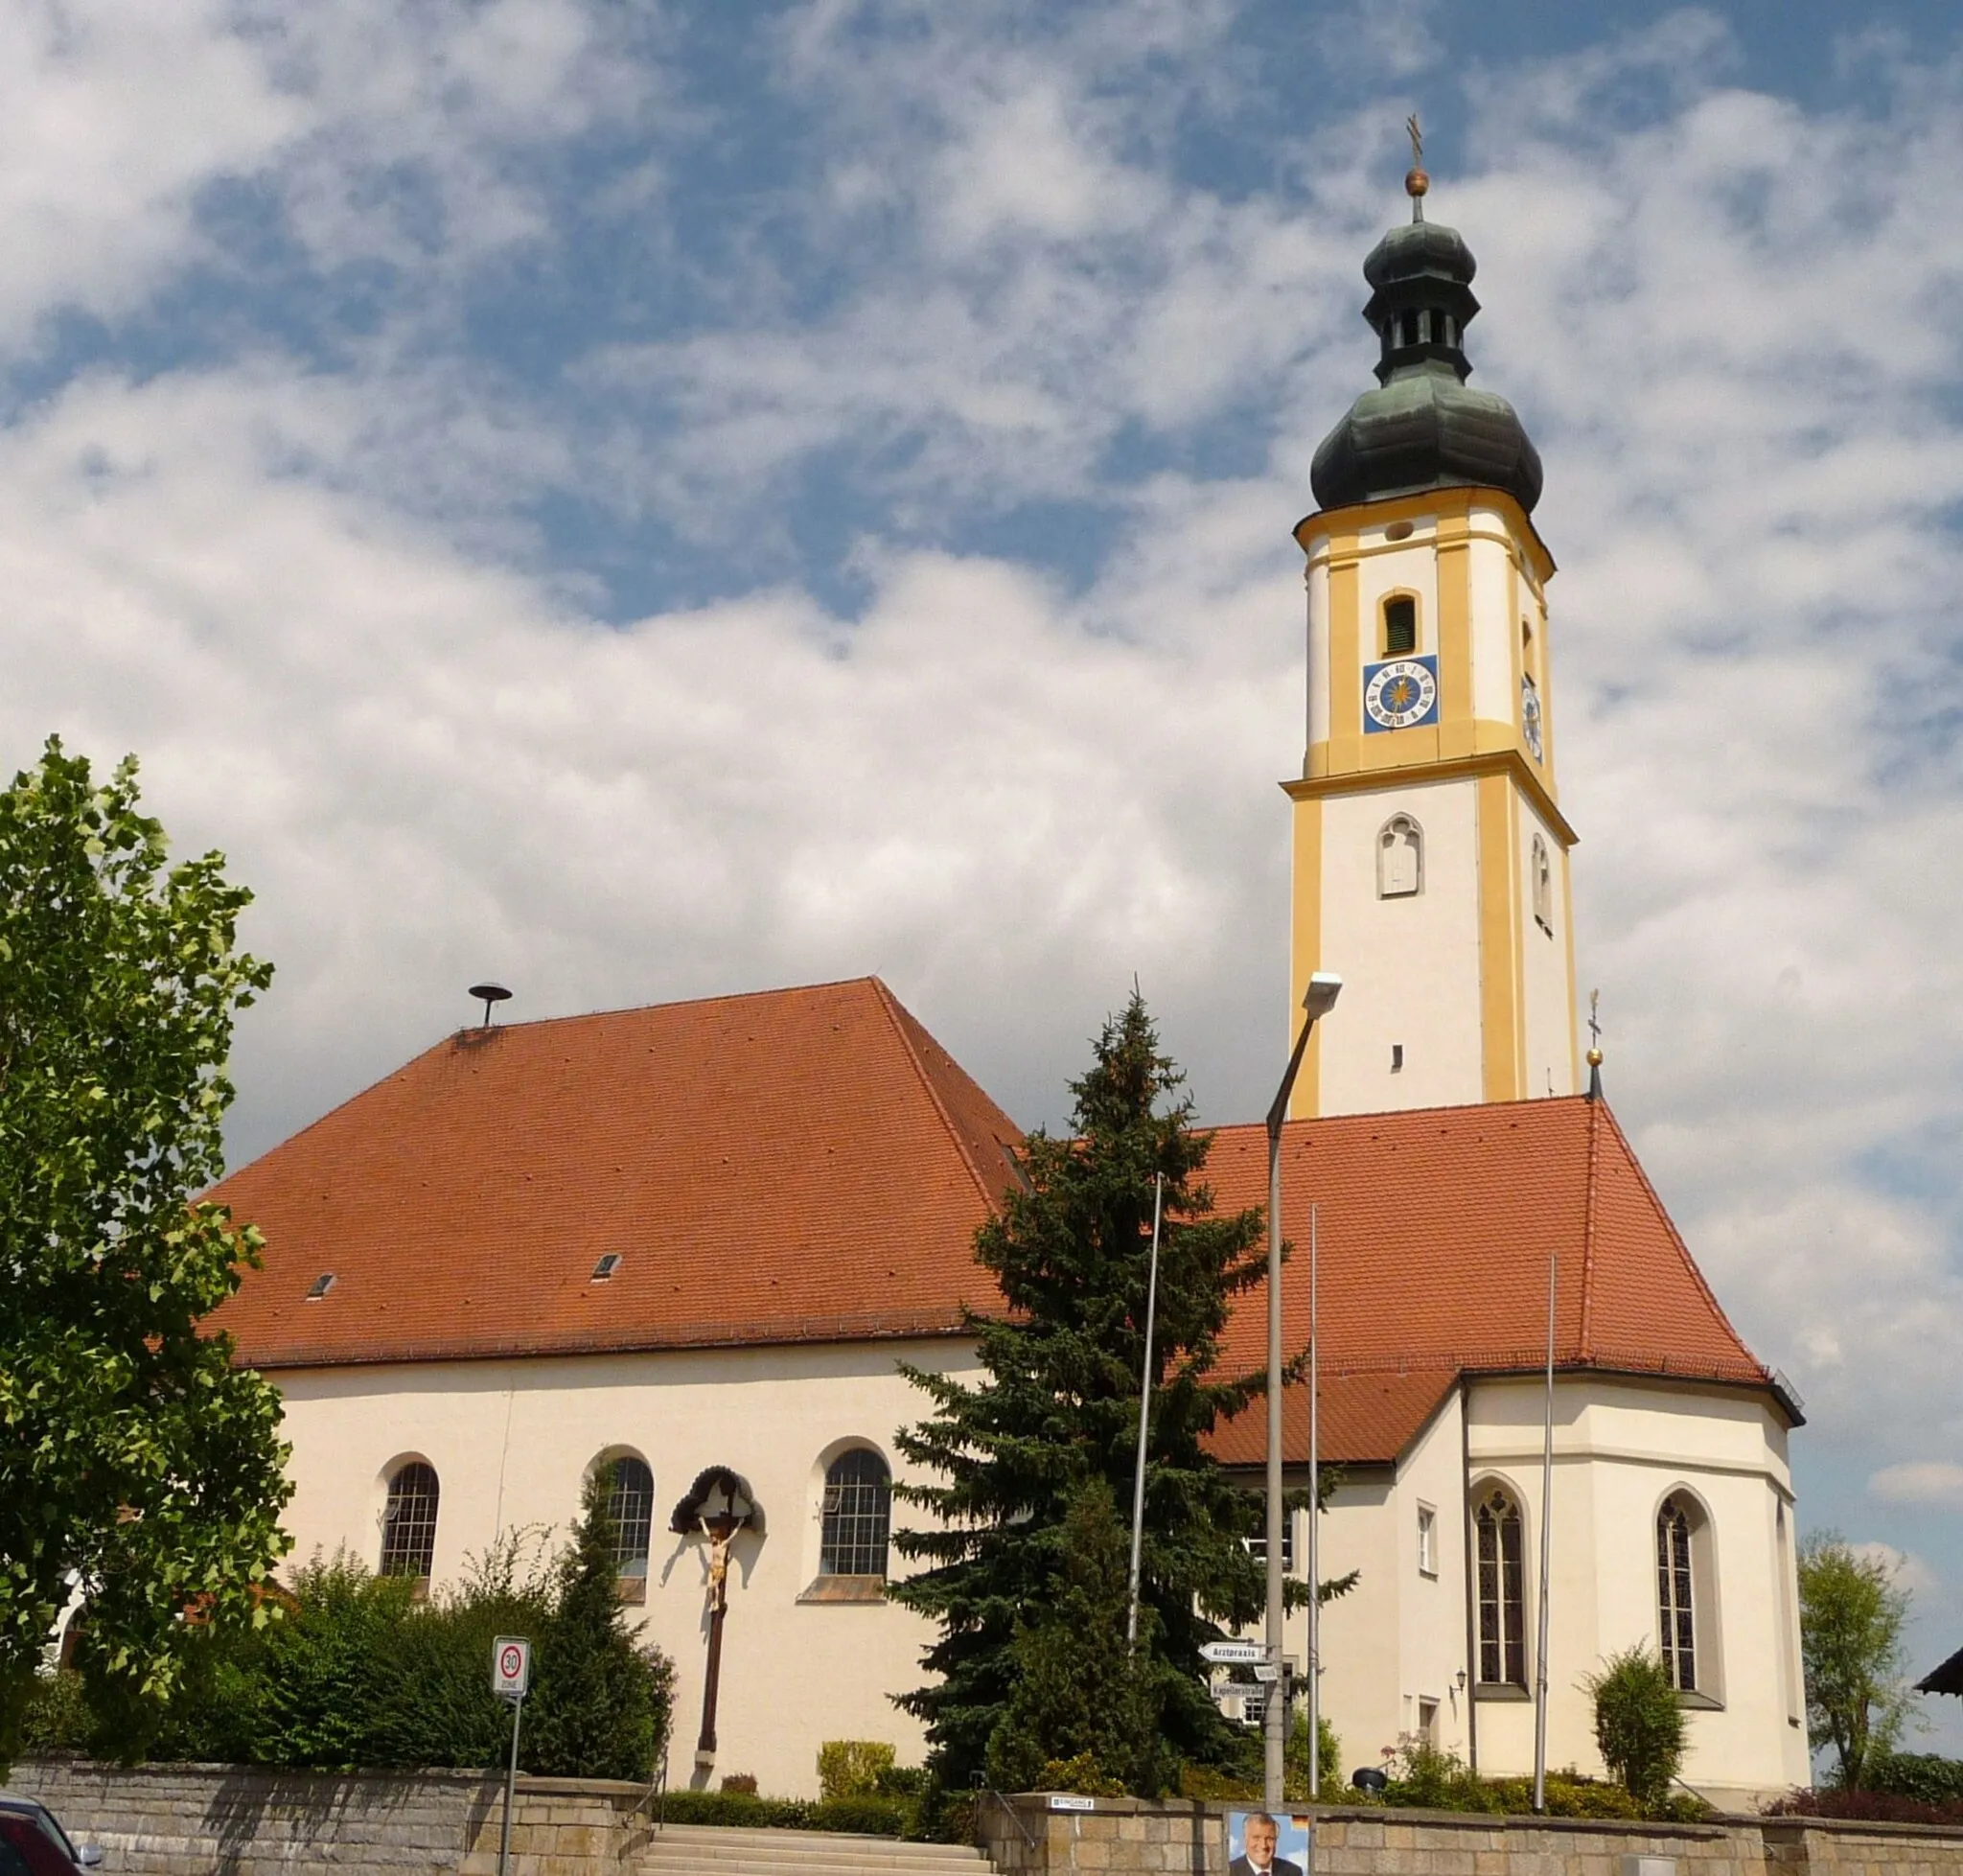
322	1284
606	1266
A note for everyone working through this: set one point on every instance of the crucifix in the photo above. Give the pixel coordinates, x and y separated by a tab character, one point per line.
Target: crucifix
718	1506
1594	1044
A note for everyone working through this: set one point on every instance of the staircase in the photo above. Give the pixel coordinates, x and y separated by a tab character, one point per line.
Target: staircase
709	1850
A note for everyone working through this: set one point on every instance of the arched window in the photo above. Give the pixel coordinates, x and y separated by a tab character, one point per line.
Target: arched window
631	1503
858	1512
1502	1599
1400	625
1543	887
1400	858
1675	1597
409	1523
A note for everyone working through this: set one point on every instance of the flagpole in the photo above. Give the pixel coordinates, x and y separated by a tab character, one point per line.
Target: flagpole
1546	1537
1137	1484
1315	1612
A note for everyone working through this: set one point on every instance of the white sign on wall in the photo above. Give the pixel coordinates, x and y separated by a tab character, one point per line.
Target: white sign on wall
511	1667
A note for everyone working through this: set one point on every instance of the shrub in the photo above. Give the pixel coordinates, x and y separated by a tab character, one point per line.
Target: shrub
741	1781
1294	1758
865	1817
1866	1806
1082	1698
1426	1777
1639	1726
902	1781
852	1768
740	1810
602	1703
55	1722
1926	1777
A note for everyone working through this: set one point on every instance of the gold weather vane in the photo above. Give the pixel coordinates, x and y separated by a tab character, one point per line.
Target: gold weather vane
1416	181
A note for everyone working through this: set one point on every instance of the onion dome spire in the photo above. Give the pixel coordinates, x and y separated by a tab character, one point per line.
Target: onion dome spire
1423	427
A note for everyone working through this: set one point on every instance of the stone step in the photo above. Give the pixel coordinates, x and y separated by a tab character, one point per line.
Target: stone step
716	1851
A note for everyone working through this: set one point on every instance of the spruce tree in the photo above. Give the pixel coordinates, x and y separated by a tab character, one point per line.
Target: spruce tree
601	1703
1058	1409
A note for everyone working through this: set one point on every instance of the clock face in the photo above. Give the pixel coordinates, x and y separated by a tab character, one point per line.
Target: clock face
1530	716
1402	694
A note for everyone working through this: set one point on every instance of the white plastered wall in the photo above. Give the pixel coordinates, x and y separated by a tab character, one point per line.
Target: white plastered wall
1619	1450
1410	966
1547	990
512	1441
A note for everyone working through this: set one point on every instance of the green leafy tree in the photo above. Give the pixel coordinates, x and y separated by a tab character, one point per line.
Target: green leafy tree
1059	1407
134	1459
1639	1722
600	1704
1850	1615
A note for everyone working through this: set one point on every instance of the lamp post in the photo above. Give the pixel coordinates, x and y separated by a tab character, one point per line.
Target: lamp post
1324	988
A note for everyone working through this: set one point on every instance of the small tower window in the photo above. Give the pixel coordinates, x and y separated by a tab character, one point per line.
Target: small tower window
1409	325
1543	887
1400	625
1400	858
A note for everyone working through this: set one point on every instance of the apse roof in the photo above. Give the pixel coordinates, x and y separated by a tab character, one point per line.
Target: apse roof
810	1164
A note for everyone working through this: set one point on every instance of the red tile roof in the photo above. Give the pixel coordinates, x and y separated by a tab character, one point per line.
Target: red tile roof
792	1166
810	1164
1436	1228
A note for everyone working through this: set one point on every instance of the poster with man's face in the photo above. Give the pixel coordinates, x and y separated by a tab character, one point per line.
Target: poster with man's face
1260	1844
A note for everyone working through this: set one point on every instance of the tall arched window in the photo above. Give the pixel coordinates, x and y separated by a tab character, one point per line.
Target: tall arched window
1400	625
858	1512
1543	887
1675	1596
409	1523
631	1503
1502	1598
1400	858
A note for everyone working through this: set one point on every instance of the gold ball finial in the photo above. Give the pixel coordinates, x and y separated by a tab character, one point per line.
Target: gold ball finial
1415	183
1594	1058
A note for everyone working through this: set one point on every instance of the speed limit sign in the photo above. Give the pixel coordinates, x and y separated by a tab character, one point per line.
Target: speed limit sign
511	1667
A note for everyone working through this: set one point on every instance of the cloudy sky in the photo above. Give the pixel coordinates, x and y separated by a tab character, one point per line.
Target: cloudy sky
645	502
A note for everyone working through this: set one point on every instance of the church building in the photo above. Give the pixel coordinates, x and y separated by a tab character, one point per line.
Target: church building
695	1240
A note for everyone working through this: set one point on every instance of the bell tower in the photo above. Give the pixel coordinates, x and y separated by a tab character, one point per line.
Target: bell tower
1430	851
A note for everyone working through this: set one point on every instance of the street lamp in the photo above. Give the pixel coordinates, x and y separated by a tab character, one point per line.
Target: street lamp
1324	988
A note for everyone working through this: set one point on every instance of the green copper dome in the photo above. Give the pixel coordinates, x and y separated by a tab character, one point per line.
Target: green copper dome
1422	427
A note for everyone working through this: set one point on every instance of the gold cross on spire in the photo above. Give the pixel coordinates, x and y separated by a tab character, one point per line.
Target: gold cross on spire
1416	181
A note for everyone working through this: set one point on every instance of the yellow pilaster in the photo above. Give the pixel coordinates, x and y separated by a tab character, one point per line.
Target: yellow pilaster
1456	736
1346	643
1567	921
1501	1002
1304	947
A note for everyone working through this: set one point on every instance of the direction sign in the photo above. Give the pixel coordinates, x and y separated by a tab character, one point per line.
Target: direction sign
1238	1653
511	1667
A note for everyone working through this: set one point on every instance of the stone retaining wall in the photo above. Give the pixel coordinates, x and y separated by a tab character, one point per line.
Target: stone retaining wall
190	1821
1127	1836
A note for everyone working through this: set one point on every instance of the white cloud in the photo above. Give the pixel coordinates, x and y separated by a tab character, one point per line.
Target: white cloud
1909	1571
1932	1482
301	595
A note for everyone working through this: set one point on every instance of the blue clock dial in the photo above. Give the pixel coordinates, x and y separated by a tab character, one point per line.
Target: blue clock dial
1399	694
1530	716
